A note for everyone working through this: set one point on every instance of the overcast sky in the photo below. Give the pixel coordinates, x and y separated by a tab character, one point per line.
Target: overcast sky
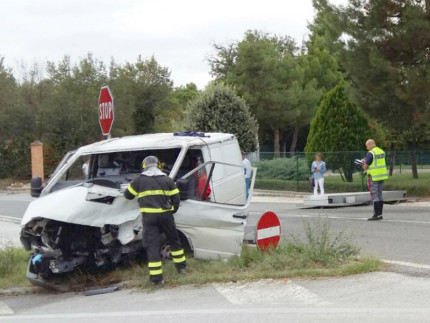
179	34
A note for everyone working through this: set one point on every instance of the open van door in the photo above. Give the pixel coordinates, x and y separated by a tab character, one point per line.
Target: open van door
213	215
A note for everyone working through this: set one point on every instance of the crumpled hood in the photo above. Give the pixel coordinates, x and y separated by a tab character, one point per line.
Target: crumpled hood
73	205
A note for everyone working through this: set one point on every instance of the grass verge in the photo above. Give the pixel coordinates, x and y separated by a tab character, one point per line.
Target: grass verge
321	253
13	267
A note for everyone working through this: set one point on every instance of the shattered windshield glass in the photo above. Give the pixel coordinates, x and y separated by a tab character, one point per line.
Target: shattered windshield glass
113	169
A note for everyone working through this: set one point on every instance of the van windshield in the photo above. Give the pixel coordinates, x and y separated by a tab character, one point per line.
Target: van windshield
113	169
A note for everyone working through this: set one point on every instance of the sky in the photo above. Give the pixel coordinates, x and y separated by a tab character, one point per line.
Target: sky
180	34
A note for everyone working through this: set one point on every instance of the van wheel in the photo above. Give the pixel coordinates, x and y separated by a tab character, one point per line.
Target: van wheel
165	249
165	246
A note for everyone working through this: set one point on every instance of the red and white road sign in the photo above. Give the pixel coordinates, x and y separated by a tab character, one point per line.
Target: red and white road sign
268	231
106	110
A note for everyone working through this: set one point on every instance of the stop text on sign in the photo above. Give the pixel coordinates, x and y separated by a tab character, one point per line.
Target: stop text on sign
105	110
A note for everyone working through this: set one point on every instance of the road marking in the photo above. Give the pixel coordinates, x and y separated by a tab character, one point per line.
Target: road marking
406	264
268	291
269	232
5	310
222	311
284	215
10	219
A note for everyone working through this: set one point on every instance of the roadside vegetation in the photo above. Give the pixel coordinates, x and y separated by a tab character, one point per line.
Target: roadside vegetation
334	184
319	253
13	267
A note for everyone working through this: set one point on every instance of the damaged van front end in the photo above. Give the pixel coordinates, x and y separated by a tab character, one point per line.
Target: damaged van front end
82	219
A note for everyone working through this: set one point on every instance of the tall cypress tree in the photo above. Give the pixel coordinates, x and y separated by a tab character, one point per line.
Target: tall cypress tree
338	128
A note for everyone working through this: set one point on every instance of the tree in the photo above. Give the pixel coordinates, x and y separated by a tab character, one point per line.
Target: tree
16	124
171	118
384	50
152	88
338	127
281	84
267	72
70	111
219	109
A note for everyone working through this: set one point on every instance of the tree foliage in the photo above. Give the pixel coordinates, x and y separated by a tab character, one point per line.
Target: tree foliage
384	48
281	84
219	109
56	103
338	126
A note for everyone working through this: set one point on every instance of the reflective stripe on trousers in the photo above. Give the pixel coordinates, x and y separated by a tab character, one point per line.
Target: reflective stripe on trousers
155	268
178	256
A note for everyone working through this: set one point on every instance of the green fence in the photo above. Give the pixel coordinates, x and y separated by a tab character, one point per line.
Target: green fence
292	171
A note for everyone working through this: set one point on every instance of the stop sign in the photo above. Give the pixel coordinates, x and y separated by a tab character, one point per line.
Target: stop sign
106	111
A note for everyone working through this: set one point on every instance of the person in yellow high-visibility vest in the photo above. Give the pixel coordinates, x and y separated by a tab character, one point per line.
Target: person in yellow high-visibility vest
374	164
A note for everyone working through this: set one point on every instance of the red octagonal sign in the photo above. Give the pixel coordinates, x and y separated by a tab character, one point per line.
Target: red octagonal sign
268	231
106	111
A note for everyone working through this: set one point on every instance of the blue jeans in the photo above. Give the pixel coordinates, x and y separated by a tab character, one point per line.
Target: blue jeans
247	187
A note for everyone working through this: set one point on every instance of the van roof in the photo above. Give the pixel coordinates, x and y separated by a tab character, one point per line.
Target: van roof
152	141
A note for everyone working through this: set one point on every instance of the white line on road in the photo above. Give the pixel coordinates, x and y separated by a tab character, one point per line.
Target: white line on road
5	310
340	218
221	311
268	291
406	264
10	219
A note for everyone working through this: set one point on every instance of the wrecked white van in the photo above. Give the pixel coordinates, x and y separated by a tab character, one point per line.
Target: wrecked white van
82	218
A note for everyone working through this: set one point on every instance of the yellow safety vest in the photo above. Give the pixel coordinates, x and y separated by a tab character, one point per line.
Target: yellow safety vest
378	169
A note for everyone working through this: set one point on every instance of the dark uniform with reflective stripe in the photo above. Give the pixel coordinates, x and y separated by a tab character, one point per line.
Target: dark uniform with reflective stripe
158	200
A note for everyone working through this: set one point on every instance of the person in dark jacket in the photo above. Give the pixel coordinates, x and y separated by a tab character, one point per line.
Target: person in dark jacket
158	199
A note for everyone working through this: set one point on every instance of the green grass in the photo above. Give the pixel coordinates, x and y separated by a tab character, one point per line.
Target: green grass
322	253
334	184
13	267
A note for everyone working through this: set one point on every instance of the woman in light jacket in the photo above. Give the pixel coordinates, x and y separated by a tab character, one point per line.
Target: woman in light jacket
318	169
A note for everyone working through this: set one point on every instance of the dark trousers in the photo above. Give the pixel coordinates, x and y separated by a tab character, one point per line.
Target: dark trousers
376	189
153	226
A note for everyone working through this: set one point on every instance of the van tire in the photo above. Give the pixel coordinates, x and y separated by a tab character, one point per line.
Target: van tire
165	246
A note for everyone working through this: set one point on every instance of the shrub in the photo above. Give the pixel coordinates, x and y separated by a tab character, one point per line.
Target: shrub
283	169
219	109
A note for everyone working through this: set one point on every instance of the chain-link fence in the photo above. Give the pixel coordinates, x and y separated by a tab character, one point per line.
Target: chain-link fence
291	171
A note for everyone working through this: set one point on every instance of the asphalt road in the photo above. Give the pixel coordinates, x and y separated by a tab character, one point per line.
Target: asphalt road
375	297
403	235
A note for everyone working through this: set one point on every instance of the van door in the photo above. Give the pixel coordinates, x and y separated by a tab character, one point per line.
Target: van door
213	223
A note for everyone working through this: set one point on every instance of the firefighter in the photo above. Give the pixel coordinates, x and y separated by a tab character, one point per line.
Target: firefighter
374	164
158	200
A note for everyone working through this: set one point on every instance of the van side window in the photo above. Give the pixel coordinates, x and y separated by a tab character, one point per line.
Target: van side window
200	183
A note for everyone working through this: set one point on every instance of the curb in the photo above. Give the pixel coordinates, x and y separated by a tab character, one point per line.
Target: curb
14	291
280	193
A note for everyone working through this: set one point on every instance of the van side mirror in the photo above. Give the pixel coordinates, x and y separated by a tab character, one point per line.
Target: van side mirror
36	186
184	186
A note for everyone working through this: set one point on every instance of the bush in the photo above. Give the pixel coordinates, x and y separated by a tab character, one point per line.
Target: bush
323	246
219	109
15	159
283	169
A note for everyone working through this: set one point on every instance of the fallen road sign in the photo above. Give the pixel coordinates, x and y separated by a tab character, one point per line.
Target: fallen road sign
268	231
